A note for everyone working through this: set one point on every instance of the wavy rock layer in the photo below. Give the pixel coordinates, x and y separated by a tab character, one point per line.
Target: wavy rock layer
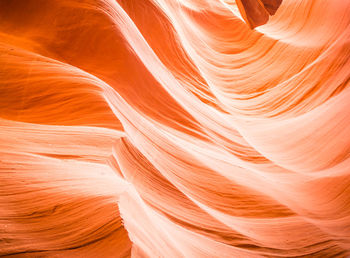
164	128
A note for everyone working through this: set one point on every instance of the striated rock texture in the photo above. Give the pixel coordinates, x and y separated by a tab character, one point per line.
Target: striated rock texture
170	128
